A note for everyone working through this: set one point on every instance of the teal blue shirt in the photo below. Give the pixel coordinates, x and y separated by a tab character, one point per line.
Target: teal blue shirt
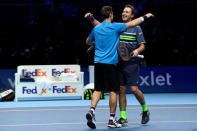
106	36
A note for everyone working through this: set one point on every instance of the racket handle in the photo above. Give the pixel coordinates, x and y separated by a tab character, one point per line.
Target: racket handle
90	48
140	56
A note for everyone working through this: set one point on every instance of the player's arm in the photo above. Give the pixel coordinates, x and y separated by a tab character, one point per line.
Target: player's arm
137	21
91	38
137	51
90	17
88	42
140	39
92	45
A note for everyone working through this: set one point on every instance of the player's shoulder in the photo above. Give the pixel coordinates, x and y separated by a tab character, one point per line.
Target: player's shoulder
97	27
138	27
118	24
133	29
103	24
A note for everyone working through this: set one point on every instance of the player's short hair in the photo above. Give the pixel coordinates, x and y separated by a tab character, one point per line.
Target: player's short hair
106	11
131	7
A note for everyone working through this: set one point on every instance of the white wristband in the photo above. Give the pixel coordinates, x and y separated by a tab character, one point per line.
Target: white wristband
142	19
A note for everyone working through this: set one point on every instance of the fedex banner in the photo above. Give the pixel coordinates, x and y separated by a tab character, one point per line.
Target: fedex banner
50	82
51	90
47	70
177	79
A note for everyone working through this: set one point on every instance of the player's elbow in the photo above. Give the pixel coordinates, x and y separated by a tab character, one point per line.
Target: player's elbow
143	46
87	41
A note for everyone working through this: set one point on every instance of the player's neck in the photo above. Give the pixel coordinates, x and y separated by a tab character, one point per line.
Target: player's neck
108	19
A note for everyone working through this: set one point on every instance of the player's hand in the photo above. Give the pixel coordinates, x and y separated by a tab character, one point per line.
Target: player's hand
148	15
135	53
88	15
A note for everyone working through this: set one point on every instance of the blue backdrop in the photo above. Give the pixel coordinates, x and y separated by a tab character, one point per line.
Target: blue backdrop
168	79
7	78
177	79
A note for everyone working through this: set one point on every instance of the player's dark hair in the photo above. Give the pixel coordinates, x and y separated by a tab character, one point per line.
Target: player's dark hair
106	11
131	7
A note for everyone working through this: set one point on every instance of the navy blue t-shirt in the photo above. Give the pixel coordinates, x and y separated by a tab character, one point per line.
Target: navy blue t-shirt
133	37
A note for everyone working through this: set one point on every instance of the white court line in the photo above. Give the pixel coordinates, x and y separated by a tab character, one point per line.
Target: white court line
83	123
98	108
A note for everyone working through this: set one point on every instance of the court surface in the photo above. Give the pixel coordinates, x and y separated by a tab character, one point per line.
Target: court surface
169	112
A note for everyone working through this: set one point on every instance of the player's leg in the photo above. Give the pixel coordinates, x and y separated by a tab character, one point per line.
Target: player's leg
131	74
132	78
90	116
138	94
98	87
122	95
111	81
122	102
122	106
95	98
112	104
133	83
140	97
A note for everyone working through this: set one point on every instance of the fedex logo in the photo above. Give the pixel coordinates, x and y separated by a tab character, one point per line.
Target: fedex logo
66	89
66	70
25	90
37	72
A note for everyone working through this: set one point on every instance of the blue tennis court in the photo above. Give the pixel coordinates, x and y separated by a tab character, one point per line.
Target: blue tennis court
169	112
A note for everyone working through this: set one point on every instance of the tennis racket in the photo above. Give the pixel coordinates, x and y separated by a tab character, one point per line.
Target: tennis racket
90	49
125	52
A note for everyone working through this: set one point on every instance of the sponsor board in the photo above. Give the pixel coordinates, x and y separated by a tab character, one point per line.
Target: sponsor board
58	89
46	84
47	70
178	79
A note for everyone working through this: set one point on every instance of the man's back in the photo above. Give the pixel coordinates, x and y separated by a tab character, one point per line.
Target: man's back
106	36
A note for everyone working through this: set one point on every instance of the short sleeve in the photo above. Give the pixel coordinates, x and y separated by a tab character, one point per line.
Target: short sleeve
120	27
91	36
140	36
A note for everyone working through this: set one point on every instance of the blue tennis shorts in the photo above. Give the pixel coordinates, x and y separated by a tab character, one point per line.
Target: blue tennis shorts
129	72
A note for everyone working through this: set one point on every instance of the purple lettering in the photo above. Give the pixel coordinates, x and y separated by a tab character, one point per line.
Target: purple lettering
29	91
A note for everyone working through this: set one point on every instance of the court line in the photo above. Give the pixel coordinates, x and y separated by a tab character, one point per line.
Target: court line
79	108
84	123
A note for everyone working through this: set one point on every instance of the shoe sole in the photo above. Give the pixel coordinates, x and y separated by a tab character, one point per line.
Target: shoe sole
90	123
145	122
112	126
124	124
